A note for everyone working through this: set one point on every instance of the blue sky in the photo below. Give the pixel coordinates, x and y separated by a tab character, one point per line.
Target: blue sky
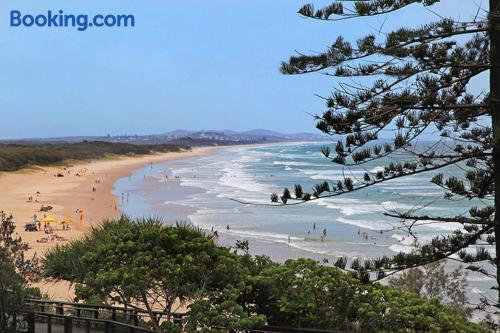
186	64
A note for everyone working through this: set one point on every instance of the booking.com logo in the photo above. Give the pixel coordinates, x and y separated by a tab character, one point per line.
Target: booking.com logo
60	20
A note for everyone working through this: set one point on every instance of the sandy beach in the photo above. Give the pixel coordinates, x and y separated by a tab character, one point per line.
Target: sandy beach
84	186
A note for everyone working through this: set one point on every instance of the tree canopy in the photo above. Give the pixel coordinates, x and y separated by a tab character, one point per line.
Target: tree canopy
144	264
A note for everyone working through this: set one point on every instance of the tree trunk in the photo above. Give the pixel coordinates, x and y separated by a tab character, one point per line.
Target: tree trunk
152	317
494	30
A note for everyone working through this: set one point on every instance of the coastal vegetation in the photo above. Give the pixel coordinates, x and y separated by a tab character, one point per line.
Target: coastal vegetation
432	281
16	272
14	156
155	267
415	82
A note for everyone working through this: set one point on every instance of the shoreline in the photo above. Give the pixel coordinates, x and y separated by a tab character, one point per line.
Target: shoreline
277	251
68	195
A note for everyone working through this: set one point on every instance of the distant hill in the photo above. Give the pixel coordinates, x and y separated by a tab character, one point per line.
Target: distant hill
214	137
251	135
262	132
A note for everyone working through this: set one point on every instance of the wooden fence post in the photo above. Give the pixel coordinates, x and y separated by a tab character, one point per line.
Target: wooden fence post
30	318
68	325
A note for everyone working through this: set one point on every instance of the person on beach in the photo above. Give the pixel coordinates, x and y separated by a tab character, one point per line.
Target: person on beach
324	233
289	240
314	225
227	227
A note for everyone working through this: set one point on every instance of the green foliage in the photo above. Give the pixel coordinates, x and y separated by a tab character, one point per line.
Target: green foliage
432	280
16	156
143	263
123	260
299	193
10	243
205	315
286	196
11	289
304	293
15	272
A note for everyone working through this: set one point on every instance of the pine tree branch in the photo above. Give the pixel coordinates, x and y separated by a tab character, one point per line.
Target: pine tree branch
299	201
455	219
471	239
334	57
372	8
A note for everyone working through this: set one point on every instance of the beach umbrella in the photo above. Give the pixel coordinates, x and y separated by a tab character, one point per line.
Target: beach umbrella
48	219
67	220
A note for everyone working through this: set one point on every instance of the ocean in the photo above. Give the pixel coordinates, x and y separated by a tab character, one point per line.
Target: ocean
199	190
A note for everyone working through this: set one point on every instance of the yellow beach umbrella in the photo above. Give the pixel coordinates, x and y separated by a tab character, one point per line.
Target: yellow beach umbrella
48	219
67	220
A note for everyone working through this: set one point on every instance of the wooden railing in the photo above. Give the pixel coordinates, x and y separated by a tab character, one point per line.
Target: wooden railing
38	322
132	316
44	316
